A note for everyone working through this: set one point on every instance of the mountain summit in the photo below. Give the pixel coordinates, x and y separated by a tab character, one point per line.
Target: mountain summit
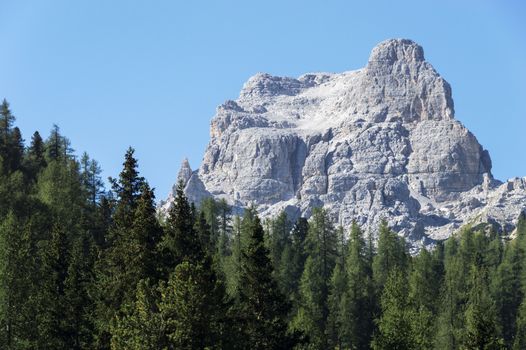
378	142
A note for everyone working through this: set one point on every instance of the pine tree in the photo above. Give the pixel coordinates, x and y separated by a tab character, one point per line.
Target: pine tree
391	254
424	291
357	314
241	232
7	120
193	307
506	291
278	240
57	146
16	150
337	335
77	298
52	311
394	324
91	181
11	142
20	278
482	329
130	250
180	241
519	342
453	298
313	312
261	305
127	189
141	326
35	159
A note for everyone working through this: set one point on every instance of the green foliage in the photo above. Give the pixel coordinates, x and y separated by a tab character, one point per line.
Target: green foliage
262	308
85	269
424	290
394	324
313	310
482	329
391	254
141	326
193	307
130	254
357	311
180	241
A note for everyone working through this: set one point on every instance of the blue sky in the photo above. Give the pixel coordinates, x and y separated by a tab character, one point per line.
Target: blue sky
150	73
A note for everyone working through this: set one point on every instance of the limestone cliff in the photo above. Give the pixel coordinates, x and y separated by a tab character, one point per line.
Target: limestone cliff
378	142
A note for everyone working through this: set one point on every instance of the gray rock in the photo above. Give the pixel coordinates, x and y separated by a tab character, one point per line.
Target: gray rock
378	142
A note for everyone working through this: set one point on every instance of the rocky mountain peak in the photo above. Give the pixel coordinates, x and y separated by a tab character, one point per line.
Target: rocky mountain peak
390	51
185	172
378	142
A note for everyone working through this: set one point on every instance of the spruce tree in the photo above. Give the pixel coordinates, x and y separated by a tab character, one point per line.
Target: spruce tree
394	323
482	330
424	291
194	308
313	310
337	303
278	240
141	326
52	313
19	273
358	309
131	245
7	120
262	307
519	342
391	254
35	159
180	241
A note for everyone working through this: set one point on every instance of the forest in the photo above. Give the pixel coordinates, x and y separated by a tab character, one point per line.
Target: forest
84	267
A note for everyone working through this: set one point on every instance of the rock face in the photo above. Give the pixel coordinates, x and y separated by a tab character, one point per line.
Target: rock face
378	142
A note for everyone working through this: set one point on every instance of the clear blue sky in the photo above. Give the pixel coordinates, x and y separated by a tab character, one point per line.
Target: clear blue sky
150	73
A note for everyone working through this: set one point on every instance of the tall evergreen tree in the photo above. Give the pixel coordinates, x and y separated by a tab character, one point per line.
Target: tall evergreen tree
91	180
141	326
357	314
129	255
394	324
482	330
11	143
519	342
391	254
424	291
180	241
35	160
262	307
278	240
313	311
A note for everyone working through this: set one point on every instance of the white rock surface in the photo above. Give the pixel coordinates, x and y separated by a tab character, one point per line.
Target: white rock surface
378	142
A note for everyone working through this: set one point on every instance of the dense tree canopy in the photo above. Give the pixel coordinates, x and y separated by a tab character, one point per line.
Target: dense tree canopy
86	268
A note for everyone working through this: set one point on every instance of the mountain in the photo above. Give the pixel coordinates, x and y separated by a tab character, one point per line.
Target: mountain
377	142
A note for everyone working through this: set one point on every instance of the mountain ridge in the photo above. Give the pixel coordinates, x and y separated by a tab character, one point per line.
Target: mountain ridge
378	142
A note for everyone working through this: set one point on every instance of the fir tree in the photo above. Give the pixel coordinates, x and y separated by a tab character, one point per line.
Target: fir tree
482	330
35	160
357	314
130	250
394	324
519	342
180	241
391	254
261	305
313	310
141	326
424	290
193	307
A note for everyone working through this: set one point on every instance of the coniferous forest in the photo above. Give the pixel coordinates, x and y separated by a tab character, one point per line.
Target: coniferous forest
84	267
